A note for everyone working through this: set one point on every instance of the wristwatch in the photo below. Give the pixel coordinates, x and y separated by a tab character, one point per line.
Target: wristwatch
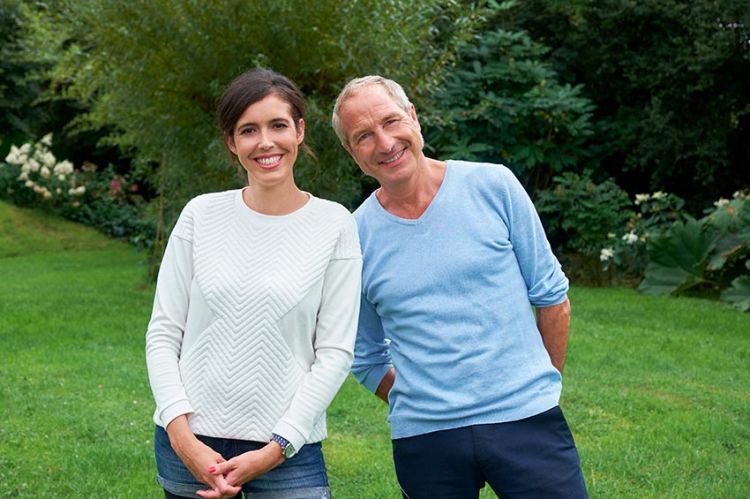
287	449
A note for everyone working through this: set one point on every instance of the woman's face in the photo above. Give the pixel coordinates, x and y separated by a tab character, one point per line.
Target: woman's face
265	140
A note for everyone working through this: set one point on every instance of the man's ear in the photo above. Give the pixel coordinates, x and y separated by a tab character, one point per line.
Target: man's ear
229	141
413	116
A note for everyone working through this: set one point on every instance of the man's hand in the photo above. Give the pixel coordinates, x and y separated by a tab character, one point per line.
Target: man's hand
245	467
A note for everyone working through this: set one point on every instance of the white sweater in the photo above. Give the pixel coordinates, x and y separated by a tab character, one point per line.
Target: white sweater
254	318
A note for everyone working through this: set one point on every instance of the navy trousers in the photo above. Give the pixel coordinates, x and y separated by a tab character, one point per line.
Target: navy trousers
531	458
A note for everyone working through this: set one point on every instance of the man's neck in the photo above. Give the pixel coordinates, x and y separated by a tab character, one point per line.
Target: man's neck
410	199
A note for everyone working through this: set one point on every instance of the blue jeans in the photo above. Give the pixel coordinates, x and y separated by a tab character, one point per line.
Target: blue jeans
533	458
300	477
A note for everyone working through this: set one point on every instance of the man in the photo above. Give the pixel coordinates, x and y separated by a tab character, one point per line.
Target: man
454	259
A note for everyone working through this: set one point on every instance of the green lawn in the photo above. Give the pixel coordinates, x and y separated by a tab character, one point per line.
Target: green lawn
657	390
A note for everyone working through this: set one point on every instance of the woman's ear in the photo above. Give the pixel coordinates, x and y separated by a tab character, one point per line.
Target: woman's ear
229	141
300	131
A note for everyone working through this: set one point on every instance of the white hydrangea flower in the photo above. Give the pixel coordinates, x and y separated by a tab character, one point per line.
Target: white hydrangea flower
61	177
26	148
659	195
33	165
606	254
47	139
44	172
77	191
25	168
721	202
64	167
24	176
29	183
48	159
630	238
641	198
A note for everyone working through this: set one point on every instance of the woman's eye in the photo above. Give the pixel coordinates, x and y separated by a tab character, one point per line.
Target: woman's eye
246	131
280	125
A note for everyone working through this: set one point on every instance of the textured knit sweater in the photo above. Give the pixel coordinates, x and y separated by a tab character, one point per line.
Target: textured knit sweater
254	318
447	299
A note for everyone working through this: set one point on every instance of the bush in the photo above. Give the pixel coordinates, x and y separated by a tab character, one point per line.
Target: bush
580	214
626	251
706	257
103	199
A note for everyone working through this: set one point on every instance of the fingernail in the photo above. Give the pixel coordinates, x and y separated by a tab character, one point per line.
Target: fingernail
211	469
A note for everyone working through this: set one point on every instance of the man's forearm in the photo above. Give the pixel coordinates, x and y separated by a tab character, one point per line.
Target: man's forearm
385	385
554	325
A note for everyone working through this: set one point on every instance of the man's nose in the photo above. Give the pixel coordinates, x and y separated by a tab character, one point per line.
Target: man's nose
384	141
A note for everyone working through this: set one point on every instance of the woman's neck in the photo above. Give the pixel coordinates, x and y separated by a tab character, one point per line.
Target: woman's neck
275	201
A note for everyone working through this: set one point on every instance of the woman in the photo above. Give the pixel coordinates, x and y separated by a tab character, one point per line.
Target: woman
254	316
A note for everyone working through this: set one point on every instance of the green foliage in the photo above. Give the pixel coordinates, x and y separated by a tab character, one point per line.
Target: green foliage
154	69
669	81
655	213
503	104
704	256
579	214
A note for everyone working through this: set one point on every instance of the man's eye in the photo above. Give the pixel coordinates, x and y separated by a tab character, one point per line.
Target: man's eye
364	137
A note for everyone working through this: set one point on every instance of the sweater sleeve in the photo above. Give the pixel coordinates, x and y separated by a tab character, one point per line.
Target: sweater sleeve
372	358
167	324
333	343
545	280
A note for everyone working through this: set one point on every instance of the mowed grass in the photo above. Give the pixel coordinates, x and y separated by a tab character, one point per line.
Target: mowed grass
657	390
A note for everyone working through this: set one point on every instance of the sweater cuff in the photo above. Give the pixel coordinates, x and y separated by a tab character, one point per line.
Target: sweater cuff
291	434
178	408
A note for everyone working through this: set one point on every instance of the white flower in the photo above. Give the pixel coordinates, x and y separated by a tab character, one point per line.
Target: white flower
659	195
33	165
611	235
48	159
26	148
64	167
25	168
61	177
721	202
641	198
606	254
23	176
29	183
630	238
47	139
77	191
44	172
58	191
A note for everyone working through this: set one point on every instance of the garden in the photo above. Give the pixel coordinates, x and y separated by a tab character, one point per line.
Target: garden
627	122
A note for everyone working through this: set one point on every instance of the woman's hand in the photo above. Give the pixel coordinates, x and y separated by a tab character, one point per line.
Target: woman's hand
248	466
198	458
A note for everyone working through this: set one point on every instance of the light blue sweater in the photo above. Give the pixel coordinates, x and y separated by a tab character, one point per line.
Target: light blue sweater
446	300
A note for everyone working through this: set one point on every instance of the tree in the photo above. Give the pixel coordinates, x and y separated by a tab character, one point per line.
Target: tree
153	69
669	81
503	104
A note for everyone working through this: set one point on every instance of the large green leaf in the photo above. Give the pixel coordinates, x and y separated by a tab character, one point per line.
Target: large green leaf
678	258
739	293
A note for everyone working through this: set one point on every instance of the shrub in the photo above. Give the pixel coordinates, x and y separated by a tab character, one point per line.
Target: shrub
625	251
103	199
706	257
580	214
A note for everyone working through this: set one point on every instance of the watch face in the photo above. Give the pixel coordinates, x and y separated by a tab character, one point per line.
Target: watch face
288	451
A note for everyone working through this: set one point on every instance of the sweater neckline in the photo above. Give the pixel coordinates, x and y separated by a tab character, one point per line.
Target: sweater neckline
430	208
247	212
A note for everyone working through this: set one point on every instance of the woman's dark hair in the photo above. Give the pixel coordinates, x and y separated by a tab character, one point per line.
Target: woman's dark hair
253	86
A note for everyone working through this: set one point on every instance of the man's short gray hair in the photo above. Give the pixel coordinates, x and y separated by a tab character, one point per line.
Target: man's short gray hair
391	87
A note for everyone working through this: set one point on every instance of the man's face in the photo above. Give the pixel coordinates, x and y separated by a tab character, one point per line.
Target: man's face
383	138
